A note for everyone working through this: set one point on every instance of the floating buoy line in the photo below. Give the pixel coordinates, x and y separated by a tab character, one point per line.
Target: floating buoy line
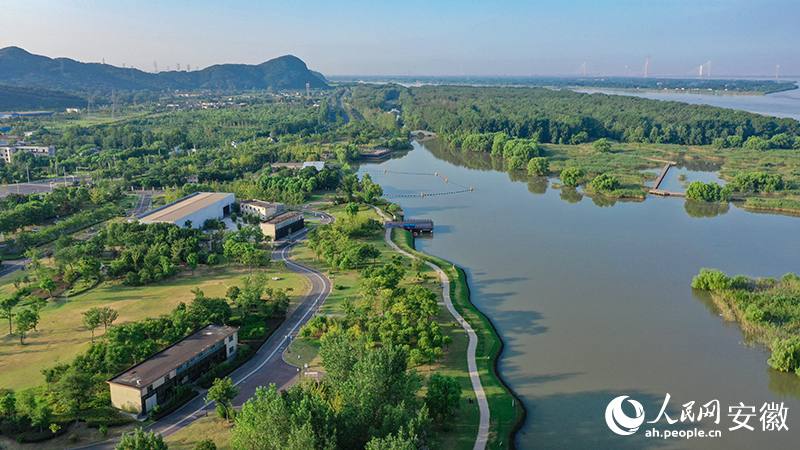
423	194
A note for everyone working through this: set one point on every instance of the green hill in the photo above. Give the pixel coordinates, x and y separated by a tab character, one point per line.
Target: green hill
26	98
20	68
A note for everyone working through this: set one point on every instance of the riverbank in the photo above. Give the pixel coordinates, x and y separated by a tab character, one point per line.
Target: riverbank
766	310
507	412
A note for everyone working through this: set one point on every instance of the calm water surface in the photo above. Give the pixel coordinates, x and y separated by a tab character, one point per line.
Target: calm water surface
593	299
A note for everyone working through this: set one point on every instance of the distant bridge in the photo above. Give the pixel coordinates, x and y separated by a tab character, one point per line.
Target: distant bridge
422	135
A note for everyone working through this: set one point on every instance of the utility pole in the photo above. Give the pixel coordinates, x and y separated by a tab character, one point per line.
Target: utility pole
28	169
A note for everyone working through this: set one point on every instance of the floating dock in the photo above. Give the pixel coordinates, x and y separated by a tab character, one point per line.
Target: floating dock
416	226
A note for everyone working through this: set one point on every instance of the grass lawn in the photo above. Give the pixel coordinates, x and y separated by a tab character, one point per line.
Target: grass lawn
85	436
210	427
62	336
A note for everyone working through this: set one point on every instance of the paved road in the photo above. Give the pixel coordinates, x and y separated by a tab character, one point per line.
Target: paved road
474	376
267	366
143	202
41	186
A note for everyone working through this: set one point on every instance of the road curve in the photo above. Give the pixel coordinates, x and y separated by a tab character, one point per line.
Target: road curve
483	427
267	366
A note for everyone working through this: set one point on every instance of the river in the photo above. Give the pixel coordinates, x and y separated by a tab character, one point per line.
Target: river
593	299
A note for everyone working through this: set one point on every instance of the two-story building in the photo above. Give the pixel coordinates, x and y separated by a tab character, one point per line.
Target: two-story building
153	381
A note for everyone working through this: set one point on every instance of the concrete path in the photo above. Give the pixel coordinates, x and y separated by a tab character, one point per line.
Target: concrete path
483	427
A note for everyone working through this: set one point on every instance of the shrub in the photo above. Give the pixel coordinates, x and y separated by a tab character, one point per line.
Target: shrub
338	287
601	146
73	438
205	444
604	182
785	354
571	175
711	280
103	430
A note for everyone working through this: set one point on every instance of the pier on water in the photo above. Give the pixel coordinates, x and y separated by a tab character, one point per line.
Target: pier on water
654	190
415	226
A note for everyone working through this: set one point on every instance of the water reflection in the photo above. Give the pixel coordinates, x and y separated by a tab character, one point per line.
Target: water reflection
570	194
696	165
700	210
538	185
784	384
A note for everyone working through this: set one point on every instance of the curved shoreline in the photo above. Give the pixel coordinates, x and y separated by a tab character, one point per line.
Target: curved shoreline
485	426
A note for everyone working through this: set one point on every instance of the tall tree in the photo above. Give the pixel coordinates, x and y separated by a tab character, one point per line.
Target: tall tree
7	310
223	392
91	320
26	321
107	316
73	390
443	396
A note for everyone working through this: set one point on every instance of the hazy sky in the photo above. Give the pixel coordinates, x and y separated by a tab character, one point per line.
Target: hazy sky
440	37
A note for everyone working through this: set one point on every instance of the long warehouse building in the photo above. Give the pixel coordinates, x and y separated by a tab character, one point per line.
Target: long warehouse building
193	210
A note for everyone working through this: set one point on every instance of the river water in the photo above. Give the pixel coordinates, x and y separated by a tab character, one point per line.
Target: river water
593	299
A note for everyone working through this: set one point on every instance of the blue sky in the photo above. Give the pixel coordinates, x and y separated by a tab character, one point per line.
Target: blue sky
443	37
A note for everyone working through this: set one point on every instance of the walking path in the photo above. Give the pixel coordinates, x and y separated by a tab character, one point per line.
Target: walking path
474	376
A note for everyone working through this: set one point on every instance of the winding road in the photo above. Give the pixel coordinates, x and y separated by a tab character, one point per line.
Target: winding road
472	365
267	366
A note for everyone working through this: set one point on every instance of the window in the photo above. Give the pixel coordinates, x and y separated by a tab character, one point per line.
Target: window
230	338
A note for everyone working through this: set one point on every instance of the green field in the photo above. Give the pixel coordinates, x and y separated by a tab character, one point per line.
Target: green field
62	336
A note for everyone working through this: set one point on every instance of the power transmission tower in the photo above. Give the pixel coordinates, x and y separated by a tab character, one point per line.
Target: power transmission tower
646	66
155	66
777	71
308	89
179	67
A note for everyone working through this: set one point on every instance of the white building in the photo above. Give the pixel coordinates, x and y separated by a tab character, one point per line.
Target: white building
7	150
194	209
264	210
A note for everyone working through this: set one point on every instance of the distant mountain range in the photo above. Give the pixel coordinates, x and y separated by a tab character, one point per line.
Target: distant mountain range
21	68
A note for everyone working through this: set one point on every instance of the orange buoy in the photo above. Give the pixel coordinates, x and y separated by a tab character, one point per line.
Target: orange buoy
423	194
470	188
436	174
384	170
446	180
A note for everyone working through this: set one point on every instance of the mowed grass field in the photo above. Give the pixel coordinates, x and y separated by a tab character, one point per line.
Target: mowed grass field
61	335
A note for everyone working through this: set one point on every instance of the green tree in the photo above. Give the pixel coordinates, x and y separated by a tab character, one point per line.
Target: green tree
8	404
785	354
192	260
538	166
571	175
601	146
711	280
89	268
417	265
223	392
708	192
73	390
41	416
107	316
26	321
7	310
91	320
49	285
351	209
141	441
443	396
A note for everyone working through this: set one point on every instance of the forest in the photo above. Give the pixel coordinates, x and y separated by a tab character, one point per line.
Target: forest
566	117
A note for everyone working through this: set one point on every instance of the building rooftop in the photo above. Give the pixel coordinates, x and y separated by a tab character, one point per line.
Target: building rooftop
283	216
176	210
169	359
259	203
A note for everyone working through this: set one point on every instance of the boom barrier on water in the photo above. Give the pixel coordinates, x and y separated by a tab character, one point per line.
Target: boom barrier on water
423	194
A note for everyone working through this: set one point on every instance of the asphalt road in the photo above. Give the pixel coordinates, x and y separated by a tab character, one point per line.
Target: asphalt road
267	366
40	186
